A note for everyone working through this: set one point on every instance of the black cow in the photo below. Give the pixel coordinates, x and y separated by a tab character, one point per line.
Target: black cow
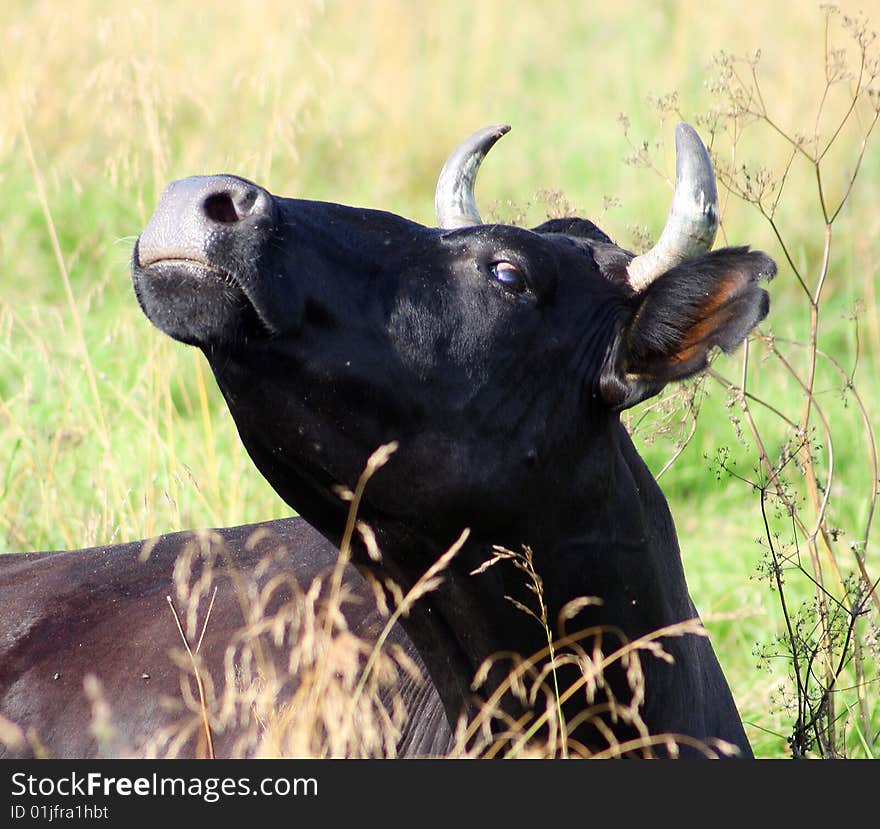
497	359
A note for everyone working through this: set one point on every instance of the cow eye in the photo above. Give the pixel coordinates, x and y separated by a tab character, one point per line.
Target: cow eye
509	276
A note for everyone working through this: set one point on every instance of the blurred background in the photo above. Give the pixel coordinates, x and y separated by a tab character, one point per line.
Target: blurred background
110	432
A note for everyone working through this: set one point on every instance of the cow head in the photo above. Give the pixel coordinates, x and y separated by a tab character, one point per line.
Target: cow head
495	356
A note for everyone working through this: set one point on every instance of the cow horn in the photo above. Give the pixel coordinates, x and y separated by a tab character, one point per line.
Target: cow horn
454	198
693	218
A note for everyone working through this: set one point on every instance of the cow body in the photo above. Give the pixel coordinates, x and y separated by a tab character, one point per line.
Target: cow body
494	361
103	614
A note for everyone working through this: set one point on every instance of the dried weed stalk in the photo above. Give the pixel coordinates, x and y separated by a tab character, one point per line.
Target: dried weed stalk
795	402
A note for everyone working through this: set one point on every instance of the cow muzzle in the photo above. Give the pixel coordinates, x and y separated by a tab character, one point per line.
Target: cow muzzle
196	266
198	215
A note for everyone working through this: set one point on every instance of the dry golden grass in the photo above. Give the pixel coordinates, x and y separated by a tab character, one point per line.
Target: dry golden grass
337	695
297	682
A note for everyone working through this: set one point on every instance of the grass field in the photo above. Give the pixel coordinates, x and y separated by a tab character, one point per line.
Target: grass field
111	432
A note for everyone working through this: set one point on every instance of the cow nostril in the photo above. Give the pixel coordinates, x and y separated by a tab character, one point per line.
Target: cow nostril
221	208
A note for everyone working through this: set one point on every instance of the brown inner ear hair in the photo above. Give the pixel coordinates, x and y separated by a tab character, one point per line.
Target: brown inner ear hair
715	314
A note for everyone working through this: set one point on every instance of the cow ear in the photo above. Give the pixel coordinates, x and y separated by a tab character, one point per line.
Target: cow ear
712	301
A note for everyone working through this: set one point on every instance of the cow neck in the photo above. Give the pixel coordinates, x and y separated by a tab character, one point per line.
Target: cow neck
590	544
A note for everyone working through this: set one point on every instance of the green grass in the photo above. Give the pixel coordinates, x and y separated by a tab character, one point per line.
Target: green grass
110	432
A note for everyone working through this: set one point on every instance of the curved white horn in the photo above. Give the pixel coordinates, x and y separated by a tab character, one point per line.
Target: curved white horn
693	218
454	198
